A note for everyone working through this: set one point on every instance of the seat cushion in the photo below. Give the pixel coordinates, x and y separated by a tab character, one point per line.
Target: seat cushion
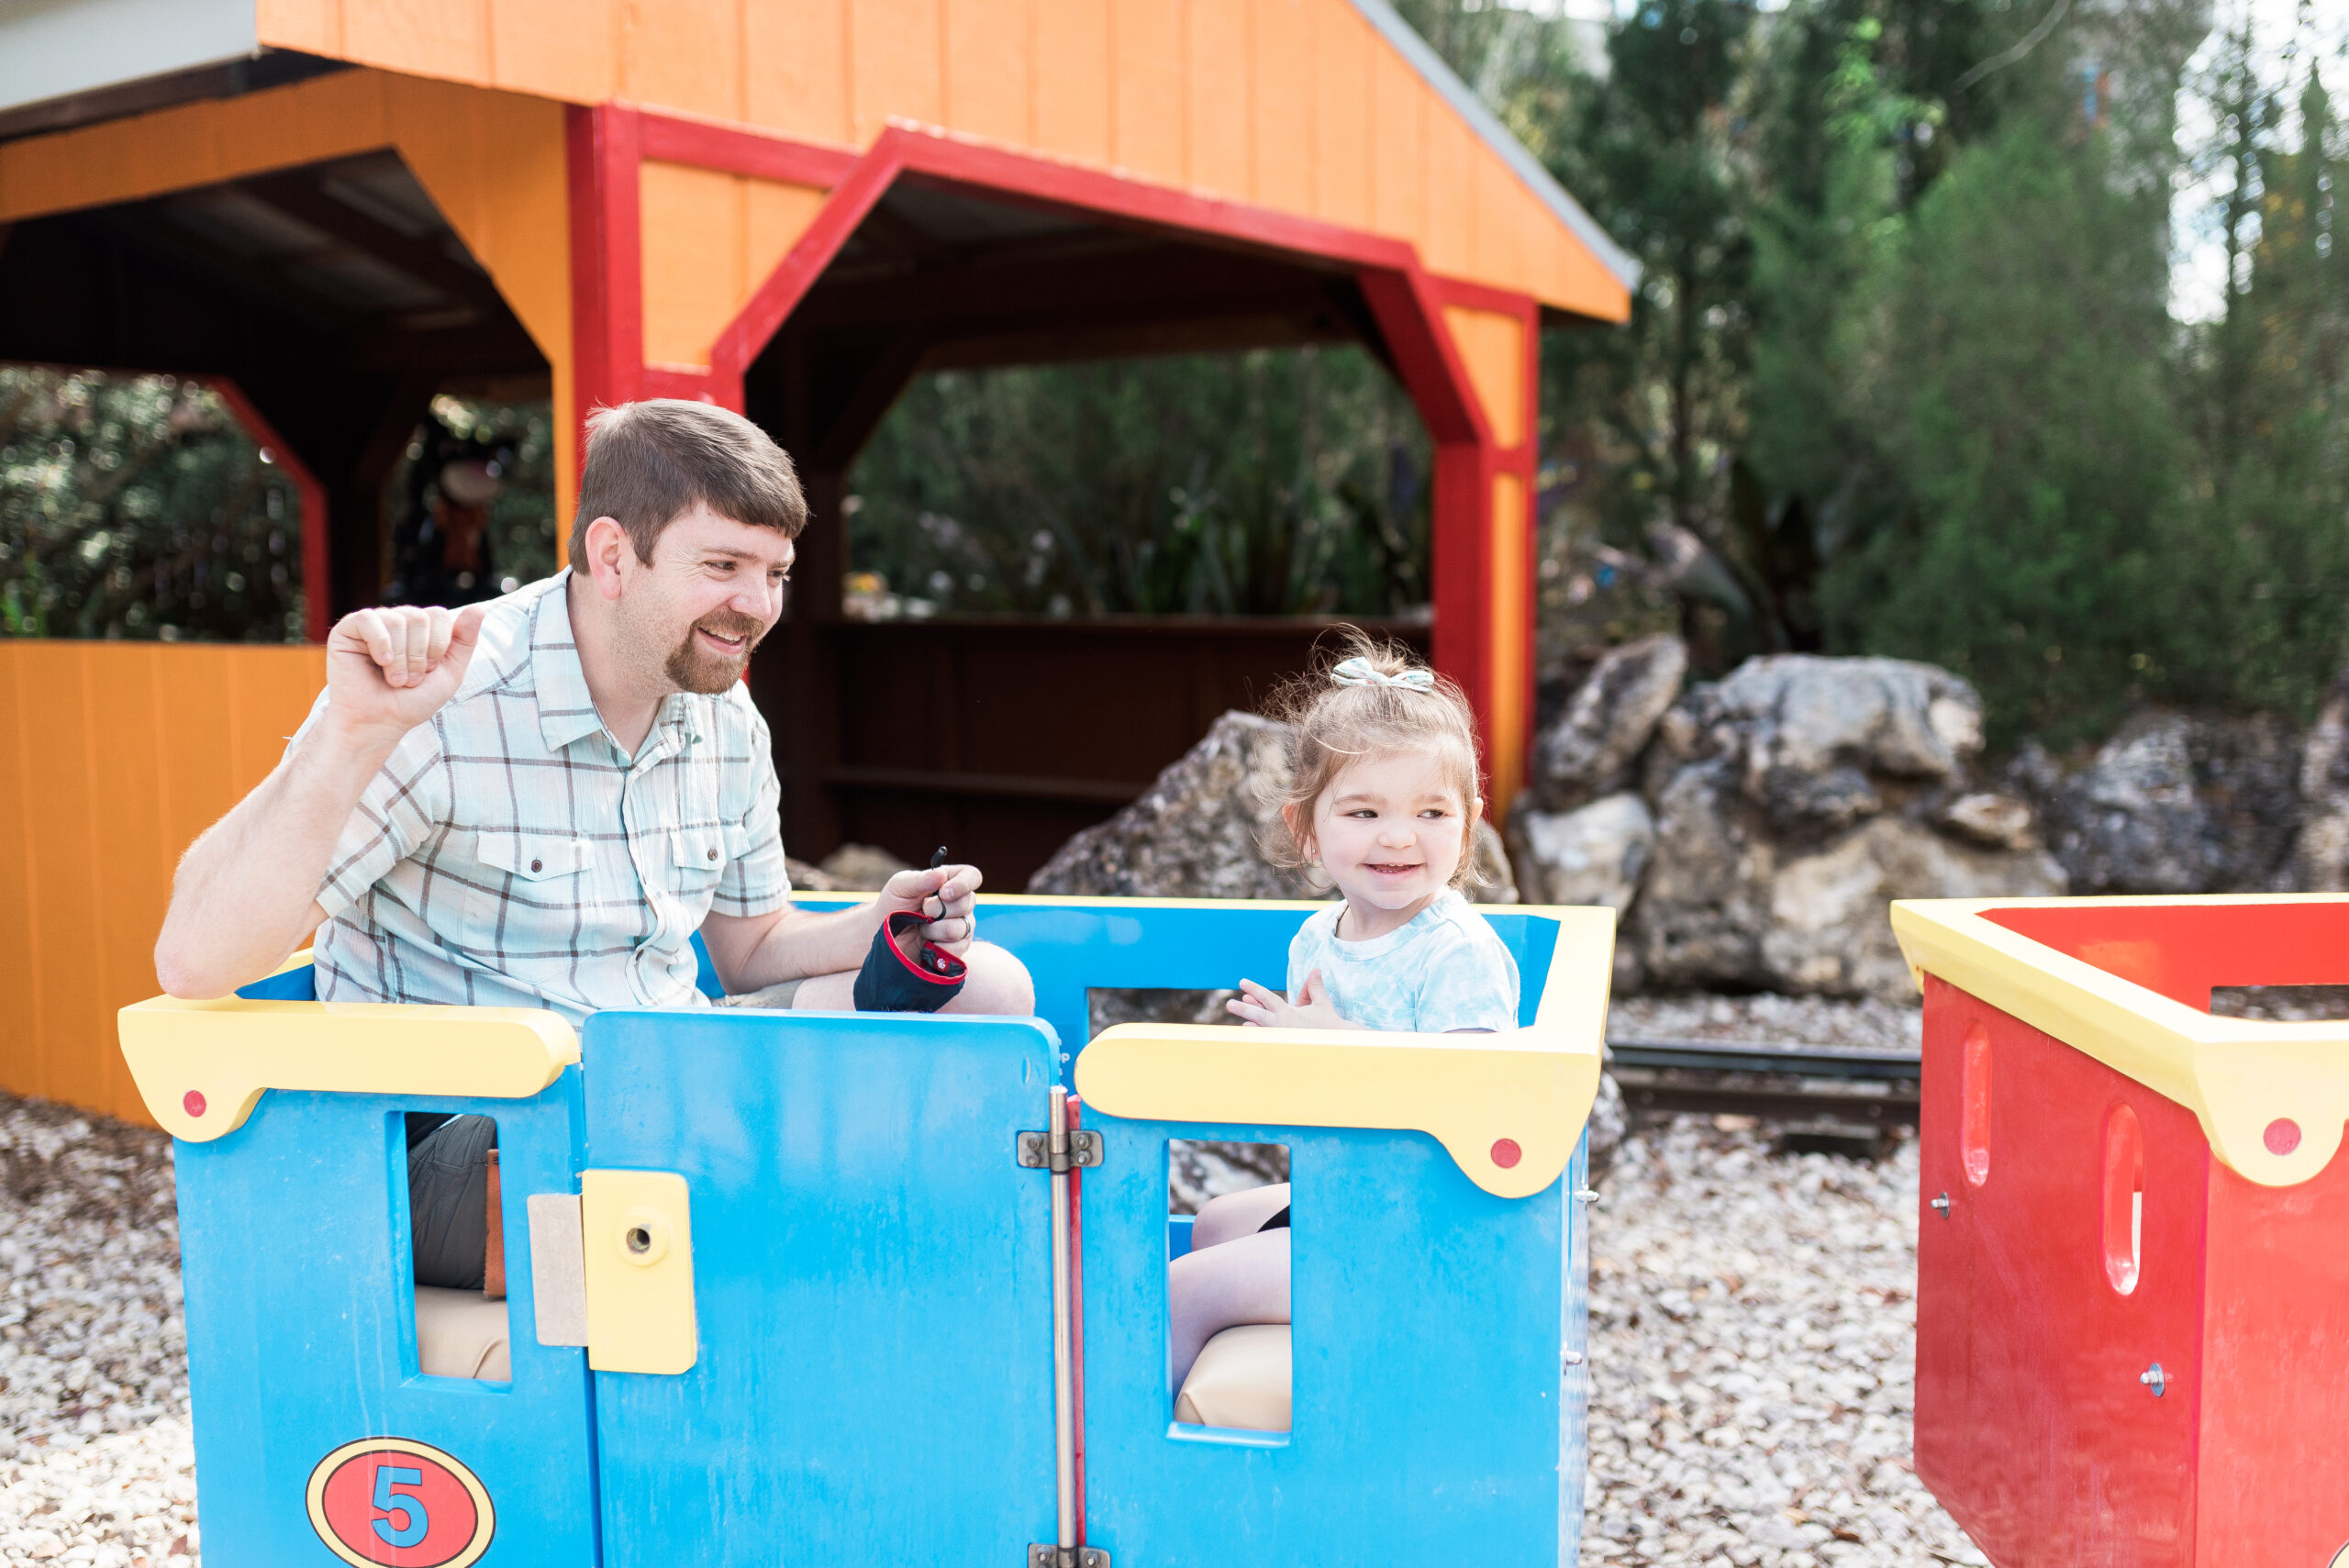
1240	1380
461	1334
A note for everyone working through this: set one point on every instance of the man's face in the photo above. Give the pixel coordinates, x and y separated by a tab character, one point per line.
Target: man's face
712	590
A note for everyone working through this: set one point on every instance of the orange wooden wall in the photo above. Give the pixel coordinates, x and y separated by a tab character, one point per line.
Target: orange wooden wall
1299	105
494	163
116	755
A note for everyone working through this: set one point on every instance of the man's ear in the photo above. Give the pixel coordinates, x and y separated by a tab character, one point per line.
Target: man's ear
606	543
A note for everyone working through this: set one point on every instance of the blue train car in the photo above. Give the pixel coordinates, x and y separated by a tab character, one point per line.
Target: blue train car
802	1287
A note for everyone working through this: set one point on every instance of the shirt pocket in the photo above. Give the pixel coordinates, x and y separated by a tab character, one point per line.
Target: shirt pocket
700	855
529	859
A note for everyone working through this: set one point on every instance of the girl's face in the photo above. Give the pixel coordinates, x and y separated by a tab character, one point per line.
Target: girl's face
1389	831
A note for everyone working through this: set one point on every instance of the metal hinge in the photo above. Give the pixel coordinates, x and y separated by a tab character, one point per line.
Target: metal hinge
1043	1556
1036	1154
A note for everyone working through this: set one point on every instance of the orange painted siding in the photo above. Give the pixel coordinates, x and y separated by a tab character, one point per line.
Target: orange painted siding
1149	41
709	240
1511	713
1297	105
1492	349
1220	65
1341	106
895	65
1073	82
493	161
990	90
118	755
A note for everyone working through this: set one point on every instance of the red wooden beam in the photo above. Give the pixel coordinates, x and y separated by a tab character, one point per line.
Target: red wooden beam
317	592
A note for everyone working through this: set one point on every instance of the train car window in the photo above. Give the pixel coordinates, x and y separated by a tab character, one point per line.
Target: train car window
457	1246
1228	1284
2124	1200
1974	1130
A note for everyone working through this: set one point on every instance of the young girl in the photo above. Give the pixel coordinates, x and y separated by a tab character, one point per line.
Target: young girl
1383	802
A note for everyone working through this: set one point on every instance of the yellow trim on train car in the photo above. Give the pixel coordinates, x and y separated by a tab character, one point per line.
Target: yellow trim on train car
2235	1074
1507	1107
202	1066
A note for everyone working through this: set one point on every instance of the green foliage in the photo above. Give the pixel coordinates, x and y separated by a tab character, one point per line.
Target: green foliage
136	507
1259	483
2021	401
1901	375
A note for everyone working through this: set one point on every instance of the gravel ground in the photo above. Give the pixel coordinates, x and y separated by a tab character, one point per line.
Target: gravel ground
1751	1337
96	1462
1752	1332
1767	1019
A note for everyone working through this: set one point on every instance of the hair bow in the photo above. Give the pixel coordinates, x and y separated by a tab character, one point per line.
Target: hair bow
1357	672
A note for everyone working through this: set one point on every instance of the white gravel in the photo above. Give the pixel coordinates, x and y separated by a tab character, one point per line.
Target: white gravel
1753	1336
96	1461
1766	1019
1752	1330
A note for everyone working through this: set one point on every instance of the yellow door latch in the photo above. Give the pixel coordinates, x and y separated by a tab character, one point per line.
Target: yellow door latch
632	1302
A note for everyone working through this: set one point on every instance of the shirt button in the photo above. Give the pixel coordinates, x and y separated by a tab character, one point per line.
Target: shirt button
713	855
538	866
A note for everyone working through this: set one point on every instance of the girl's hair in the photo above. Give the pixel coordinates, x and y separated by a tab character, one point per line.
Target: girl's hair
1334	722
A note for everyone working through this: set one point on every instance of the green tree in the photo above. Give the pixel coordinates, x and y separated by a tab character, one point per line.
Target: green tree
2020	398
136	507
1268	483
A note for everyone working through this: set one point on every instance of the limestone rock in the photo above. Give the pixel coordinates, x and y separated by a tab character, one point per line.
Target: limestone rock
1830	929
1996	821
861	868
1589	751
1794	801
1699	916
2320	859
2177	803
1827	742
1195	833
1495	878
1594	855
1198	830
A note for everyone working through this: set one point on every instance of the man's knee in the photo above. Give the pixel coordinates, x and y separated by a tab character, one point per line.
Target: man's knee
998	983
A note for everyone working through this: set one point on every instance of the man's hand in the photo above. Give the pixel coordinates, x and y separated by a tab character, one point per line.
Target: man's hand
944	892
391	669
1270	1009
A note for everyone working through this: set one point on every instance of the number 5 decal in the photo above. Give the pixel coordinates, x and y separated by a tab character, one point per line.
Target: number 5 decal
396	1503
414	1520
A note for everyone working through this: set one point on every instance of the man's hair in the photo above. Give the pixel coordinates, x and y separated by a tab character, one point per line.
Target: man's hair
649	462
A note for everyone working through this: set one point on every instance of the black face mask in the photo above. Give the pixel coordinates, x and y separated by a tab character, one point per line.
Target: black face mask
903	974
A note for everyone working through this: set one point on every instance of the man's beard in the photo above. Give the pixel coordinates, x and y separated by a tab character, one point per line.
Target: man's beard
694	668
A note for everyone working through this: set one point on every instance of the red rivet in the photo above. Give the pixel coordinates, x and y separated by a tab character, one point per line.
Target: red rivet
1506	1153
2283	1135
193	1102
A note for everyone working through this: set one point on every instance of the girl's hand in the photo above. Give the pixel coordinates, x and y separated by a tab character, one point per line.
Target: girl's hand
1270	1009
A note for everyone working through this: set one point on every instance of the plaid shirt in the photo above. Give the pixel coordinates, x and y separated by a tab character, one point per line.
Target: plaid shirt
510	854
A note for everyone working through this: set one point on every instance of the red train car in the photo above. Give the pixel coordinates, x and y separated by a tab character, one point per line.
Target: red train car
2132	1312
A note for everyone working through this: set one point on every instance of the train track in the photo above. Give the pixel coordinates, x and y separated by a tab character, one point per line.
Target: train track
1853	1090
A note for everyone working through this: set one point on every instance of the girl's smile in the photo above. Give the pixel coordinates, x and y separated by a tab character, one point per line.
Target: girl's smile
1389	831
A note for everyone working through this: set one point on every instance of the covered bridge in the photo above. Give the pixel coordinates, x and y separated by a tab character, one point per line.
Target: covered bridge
336	208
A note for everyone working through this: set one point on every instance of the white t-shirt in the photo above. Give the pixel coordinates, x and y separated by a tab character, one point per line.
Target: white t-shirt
1442	970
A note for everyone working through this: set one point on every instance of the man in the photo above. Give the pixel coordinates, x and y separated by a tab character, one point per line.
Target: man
536	802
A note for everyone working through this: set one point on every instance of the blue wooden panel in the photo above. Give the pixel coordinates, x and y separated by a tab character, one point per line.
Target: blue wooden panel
1429	1319
871	1277
301	1327
1574	1371
293	985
